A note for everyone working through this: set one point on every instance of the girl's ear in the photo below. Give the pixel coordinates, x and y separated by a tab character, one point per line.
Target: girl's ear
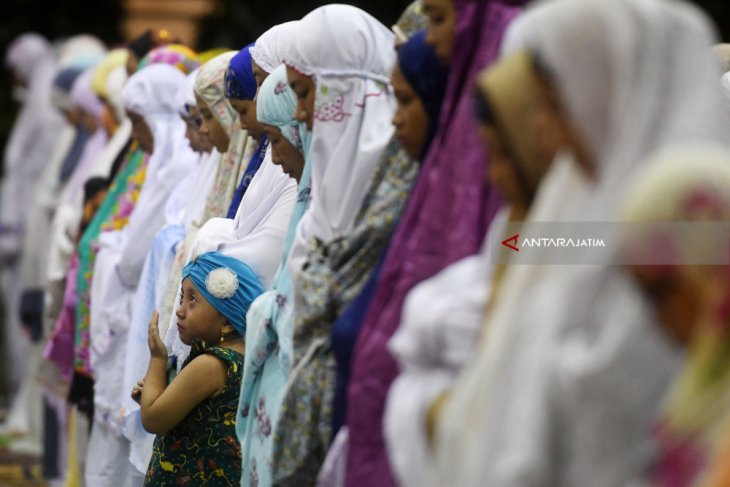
228	328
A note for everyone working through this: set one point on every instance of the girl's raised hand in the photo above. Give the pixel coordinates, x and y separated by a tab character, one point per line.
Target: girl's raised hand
137	391
157	347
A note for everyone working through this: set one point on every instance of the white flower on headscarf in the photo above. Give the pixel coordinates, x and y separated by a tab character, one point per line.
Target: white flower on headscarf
222	283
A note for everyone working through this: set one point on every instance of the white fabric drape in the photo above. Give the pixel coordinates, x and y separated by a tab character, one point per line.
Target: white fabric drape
442	319
572	369
273	46
352	121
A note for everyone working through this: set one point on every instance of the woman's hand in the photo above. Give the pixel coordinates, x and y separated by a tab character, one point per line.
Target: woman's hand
157	347
137	392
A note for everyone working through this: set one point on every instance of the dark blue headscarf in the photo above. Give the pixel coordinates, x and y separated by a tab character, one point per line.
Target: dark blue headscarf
241	85
426	75
65	79
253	167
240	82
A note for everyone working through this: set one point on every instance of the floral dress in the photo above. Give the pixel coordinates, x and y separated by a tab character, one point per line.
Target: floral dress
110	216
336	272
203	448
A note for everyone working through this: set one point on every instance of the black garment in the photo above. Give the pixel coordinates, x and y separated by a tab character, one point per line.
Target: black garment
51	446
31	312
120	159
81	394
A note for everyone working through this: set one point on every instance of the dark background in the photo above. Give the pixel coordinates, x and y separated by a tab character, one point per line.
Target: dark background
235	24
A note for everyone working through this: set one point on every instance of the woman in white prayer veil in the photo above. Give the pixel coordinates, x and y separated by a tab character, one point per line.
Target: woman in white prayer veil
150	98
30	58
77	52
28	150
571	369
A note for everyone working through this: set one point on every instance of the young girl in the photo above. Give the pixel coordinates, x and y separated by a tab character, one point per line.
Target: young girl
194	416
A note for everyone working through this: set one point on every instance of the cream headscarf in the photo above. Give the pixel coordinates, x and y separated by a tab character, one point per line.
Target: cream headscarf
209	86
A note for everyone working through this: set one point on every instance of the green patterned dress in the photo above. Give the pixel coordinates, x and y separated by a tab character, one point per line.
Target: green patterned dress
203	448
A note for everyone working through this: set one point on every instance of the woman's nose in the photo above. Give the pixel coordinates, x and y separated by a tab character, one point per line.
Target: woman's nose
301	112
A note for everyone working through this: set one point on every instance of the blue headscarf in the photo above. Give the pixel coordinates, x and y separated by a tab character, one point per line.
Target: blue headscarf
229	285
240	82
427	76
64	80
62	84
276	104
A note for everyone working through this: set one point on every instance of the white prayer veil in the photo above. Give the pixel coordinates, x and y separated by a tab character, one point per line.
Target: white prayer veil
30	58
256	234
81	50
273	47
151	93
203	181
350	55
186	94
571	368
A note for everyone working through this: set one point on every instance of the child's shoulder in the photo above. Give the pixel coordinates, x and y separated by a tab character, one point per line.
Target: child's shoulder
207	362
222	362
226	354
214	359
229	361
